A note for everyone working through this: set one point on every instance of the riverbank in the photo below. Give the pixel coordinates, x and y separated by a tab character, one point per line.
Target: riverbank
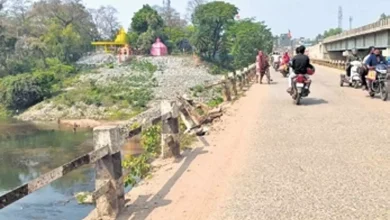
116	93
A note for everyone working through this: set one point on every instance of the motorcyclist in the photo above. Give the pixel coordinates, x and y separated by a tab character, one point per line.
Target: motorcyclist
275	60
352	57
300	64
285	61
375	59
364	71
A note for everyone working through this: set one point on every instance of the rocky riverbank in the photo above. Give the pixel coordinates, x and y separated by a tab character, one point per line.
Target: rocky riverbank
164	77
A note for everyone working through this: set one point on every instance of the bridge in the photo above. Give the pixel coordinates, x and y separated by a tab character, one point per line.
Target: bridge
374	34
265	159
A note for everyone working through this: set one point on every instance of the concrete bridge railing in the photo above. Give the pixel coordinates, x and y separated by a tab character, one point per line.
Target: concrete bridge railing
366	29
337	64
107	157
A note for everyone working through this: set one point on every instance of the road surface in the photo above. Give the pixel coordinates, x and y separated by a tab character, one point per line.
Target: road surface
270	159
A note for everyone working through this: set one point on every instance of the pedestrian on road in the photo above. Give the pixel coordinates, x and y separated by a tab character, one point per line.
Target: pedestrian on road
261	66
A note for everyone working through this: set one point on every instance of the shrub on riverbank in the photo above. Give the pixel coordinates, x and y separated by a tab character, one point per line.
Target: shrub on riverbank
140	166
19	92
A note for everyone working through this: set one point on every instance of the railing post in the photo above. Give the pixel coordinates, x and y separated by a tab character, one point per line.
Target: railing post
109	169
234	85
240	81
170	145
226	91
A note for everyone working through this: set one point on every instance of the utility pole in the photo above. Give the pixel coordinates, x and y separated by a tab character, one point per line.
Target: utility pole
340	17
350	22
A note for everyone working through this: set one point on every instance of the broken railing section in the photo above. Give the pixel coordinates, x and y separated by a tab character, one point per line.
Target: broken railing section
109	185
195	115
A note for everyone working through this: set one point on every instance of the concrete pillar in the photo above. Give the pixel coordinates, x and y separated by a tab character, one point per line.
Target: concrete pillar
109	169
170	145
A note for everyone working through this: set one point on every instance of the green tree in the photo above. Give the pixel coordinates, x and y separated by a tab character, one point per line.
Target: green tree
146	18
24	90
146	26
245	38
332	32
210	20
63	43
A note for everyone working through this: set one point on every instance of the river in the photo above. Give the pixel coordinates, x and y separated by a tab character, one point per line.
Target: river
28	150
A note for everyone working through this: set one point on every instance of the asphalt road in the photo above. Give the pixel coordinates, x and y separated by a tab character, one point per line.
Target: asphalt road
326	159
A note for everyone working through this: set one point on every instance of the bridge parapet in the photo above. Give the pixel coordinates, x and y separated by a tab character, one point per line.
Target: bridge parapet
383	24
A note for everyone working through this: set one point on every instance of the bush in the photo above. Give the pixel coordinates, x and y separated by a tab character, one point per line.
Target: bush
217	69
24	90
140	165
125	94
215	102
143	66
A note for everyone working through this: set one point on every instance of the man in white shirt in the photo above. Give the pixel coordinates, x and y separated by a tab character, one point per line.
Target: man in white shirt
275	60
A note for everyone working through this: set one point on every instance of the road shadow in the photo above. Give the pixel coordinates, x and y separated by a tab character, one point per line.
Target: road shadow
313	101
145	204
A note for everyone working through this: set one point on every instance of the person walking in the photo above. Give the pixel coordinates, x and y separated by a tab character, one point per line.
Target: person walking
262	65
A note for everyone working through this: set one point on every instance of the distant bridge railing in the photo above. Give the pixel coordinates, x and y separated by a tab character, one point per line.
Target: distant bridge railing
338	64
380	24
107	140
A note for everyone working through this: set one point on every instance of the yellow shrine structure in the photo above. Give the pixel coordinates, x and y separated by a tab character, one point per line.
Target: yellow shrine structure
120	41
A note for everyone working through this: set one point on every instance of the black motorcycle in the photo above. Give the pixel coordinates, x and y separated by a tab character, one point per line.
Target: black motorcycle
376	80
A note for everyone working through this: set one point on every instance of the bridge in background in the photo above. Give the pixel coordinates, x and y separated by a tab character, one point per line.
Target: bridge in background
374	34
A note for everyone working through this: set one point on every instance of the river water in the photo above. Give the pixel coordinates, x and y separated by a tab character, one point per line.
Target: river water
28	150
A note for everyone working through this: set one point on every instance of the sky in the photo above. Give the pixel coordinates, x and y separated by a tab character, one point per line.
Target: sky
304	18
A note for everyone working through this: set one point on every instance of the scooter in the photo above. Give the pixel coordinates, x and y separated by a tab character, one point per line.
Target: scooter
354	80
276	65
285	70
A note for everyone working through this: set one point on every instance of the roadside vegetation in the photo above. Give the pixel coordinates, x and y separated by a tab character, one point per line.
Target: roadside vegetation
140	165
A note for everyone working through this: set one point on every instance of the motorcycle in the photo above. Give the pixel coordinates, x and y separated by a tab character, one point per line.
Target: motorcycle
285	69
300	86
276	66
376	80
354	80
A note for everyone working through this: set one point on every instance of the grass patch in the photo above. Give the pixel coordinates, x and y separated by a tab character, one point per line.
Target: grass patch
215	102
142	66
197	90
121	115
125	94
5	113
